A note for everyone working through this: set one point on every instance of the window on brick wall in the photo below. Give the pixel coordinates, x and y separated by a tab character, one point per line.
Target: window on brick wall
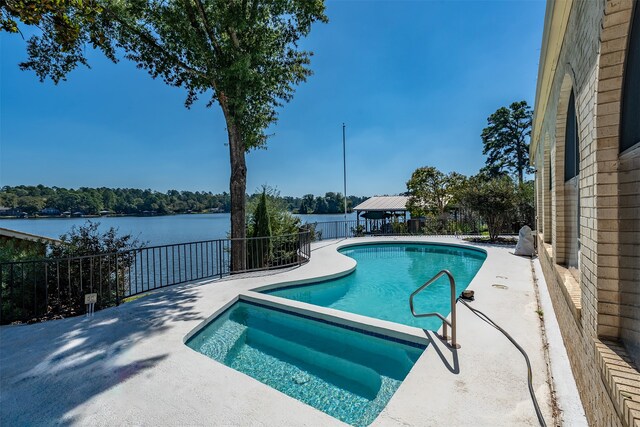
630	132
571	152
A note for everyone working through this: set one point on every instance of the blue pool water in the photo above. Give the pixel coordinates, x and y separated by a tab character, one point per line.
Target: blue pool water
348	374
386	275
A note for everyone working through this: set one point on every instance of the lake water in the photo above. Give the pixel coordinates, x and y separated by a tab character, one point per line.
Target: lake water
156	230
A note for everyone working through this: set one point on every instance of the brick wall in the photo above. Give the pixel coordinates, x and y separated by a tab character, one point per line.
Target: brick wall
597	403
601	304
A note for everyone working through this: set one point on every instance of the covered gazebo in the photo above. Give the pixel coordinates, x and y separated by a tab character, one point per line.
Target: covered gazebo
378	211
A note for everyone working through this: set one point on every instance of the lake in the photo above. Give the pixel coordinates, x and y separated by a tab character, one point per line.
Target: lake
156	230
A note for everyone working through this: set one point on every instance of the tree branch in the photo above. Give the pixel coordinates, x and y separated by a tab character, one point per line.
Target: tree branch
203	15
234	37
151	41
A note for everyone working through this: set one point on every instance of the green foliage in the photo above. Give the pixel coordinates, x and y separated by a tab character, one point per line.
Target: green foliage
357	231
271	218
127	201
66	27
259	250
330	203
8	200
281	220
13	250
432	191
312	228
261	223
307	205
82	276
130	201
524	204
30	204
492	199
242	54
55	286
506	141
14	298
87	239
398	227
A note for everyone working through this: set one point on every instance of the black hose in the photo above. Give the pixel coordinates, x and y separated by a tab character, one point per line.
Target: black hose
486	318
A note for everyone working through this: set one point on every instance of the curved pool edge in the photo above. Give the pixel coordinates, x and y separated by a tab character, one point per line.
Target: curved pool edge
358	321
347	244
310	280
344	270
397	330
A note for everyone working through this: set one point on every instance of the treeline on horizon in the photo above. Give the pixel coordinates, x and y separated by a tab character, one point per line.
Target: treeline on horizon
53	201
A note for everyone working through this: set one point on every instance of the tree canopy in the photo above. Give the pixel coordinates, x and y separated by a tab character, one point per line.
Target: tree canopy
132	201
66	27
506	141
128	201
432	191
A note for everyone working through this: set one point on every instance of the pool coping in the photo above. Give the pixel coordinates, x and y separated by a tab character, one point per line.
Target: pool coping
384	329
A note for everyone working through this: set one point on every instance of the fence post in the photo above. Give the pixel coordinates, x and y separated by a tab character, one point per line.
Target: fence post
117	282
220	257
1	288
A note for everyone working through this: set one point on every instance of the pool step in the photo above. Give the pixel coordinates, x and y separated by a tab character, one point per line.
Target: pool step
220	344
389	359
343	373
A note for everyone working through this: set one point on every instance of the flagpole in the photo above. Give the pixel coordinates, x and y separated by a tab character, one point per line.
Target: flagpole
344	164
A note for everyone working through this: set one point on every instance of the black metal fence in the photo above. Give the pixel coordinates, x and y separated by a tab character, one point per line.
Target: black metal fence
460	225
353	228
57	287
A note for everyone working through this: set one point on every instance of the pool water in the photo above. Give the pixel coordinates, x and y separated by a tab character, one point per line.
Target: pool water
386	275
346	373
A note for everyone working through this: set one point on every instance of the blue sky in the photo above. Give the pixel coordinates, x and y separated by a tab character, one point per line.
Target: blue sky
414	81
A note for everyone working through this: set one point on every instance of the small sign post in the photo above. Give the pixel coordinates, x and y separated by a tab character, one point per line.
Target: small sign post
90	301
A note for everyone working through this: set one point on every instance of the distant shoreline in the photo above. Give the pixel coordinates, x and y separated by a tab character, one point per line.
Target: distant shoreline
144	216
108	216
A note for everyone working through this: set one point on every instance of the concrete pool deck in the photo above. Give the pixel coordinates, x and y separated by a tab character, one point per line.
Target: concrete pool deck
128	365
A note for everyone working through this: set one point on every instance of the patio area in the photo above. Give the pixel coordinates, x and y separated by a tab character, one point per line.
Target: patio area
129	364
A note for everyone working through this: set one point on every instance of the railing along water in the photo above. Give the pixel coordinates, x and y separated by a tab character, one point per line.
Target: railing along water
352	228
56	287
463	225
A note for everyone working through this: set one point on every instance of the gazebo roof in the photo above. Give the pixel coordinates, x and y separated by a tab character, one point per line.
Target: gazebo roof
20	235
383	203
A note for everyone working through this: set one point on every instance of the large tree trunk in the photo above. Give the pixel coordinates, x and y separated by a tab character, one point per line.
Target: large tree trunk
238	187
521	164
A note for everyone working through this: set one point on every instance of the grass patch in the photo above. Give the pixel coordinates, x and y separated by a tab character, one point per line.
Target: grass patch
135	297
504	241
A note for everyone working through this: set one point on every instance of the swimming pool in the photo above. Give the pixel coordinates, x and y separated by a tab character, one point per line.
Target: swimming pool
347	373
386	275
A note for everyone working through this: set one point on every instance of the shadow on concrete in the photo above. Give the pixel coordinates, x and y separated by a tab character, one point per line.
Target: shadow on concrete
49	369
447	354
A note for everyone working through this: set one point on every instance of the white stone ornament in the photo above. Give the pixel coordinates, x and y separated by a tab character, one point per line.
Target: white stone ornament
525	242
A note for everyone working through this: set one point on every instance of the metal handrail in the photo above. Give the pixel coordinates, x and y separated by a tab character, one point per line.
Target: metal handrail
445	322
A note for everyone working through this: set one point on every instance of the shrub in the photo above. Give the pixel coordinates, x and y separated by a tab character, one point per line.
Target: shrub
271	209
493	200
54	286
